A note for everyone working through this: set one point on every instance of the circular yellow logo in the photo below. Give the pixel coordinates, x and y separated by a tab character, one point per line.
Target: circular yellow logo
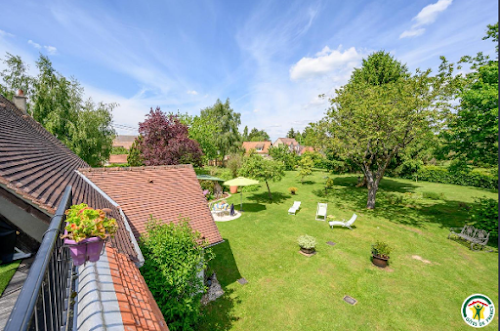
478	310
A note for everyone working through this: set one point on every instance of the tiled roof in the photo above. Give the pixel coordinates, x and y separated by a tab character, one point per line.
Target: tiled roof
137	306
36	166
166	192
304	149
118	158
262	145
124	141
287	141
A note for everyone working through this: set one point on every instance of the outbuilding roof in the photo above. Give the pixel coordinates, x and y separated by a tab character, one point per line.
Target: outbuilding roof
167	193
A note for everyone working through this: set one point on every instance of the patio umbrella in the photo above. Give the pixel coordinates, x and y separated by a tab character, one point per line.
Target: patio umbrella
241	181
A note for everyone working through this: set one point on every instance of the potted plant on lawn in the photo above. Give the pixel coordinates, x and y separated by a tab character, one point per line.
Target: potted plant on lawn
85	232
380	253
233	189
307	244
293	190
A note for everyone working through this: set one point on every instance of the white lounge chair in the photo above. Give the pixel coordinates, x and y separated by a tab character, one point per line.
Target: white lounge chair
321	211
293	209
344	223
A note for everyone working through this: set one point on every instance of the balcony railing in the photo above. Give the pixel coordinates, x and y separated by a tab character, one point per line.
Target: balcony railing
45	299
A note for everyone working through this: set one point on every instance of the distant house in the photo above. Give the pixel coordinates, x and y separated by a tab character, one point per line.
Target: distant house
124	141
304	149
292	144
260	147
117	159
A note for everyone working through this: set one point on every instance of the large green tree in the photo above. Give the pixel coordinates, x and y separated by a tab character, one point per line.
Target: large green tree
228	139
15	77
372	119
257	135
259	168
473	130
203	129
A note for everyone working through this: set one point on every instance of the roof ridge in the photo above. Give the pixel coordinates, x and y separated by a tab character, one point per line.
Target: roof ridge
140	168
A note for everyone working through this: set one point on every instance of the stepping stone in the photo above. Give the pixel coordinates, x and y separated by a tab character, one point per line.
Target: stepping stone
350	300
242	281
331	243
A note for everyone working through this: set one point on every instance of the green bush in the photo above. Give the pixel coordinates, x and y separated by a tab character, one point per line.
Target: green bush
307	242
381	248
485	216
173	260
457	174
433	195
250	188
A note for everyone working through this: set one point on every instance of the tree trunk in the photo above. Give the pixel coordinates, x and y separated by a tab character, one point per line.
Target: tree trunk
362	183
372	184
269	191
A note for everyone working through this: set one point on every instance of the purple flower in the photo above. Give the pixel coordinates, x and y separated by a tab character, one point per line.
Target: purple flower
205	192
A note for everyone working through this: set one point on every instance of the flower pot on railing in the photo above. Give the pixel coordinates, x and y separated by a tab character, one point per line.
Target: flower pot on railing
85	250
85	232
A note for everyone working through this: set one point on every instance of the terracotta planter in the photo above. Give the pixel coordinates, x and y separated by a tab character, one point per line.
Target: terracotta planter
85	250
307	250
233	189
380	261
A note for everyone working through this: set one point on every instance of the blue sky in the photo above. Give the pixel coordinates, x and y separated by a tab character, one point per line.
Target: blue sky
271	58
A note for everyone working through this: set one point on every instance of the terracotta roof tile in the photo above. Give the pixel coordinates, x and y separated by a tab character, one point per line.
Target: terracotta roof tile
37	166
138	308
118	159
263	146
165	192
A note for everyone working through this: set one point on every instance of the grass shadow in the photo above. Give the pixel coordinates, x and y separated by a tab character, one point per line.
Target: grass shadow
308	182
263	197
218	314
251	207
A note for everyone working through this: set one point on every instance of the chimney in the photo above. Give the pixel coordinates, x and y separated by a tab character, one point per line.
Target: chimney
20	101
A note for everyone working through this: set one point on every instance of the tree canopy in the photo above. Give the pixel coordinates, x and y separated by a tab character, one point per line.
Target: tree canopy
165	141
228	139
257	167
257	135
370	121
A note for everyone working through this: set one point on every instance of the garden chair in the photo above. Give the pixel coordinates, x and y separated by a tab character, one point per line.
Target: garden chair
344	223
321	211
293	209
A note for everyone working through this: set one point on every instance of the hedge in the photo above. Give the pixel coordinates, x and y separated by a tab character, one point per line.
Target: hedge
475	177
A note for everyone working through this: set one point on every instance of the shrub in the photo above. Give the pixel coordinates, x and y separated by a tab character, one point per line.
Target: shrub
234	164
433	195
485	216
458	174
250	188
174	257
329	183
307	242
292	190
381	248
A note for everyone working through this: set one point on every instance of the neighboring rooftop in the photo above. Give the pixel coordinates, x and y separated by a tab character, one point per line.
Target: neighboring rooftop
165	192
118	159
260	147
124	141
286	141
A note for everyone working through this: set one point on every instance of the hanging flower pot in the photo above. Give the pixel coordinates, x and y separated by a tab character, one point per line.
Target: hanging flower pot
85	232
86	250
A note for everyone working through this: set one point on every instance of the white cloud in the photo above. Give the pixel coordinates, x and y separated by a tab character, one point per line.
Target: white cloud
327	61
412	33
192	92
50	49
34	44
5	34
426	16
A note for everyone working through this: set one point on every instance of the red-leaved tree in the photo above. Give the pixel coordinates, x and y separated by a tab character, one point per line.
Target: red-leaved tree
165	141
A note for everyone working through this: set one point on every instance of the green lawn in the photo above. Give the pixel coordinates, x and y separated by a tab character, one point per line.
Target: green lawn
6	273
287	291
